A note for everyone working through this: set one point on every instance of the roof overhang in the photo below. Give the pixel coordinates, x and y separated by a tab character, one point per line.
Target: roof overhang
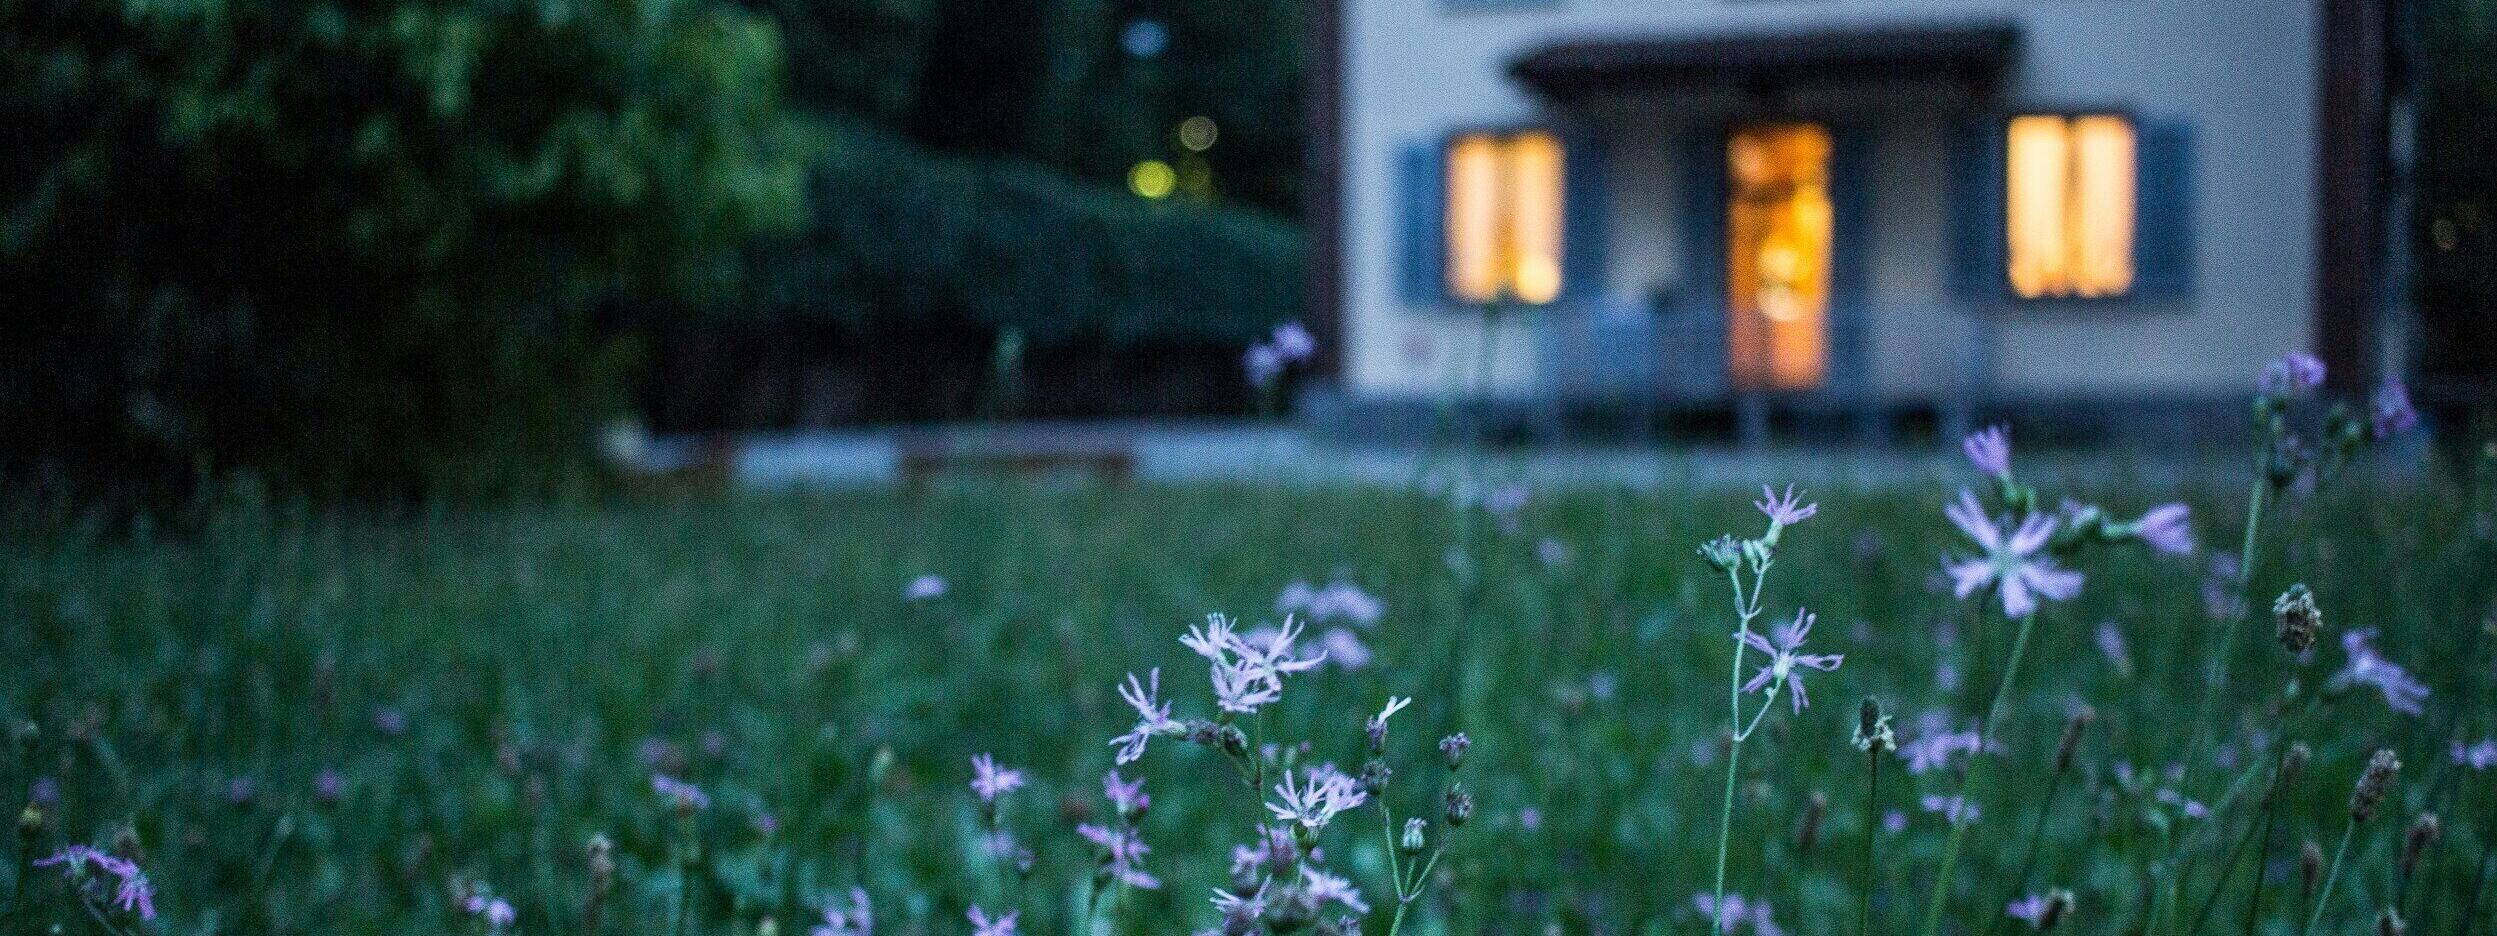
1971	54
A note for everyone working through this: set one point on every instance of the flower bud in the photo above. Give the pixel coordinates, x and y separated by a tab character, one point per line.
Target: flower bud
1232	740
1453	748
2071	743
2292	763
1374	777
1723	553
2310	865
1412	843
2300	620
1872	729
2373	785
1460	806
2424	831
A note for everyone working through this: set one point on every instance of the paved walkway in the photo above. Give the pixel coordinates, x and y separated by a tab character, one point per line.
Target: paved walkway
1267	453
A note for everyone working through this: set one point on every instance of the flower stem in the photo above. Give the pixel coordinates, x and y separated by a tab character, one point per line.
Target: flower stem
1967	784
2028	857
1734	754
1872	825
2221	652
2324	896
2262	859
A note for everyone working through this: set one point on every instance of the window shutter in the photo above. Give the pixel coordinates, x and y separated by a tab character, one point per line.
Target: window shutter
1977	271
1850	286
1585	206
1423	250
2163	242
1702	221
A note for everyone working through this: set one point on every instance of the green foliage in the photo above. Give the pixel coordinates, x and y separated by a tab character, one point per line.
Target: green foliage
362	246
548	661
903	236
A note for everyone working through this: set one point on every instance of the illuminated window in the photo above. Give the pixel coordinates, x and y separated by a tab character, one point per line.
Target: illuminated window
2069	205
1779	222
1504	217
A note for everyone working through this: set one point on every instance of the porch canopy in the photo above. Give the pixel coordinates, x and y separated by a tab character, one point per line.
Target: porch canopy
1971	54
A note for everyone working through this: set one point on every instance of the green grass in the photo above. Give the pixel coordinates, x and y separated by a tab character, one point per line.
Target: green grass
539	653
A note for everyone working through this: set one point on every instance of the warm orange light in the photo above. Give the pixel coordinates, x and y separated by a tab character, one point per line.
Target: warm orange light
2069	205
1779	225
1504	217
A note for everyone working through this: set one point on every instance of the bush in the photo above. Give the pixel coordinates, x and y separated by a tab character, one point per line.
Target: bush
903	236
361	248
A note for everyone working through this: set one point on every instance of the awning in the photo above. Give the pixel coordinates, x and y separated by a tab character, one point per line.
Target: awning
1972	54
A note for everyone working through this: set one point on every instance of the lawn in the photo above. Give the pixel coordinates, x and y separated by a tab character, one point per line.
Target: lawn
311	722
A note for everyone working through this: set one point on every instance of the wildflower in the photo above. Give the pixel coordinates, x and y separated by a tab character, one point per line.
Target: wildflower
1458	804
1413	842
499	914
924	588
1377	726
329	786
983	925
132	892
1337	601
1952	808
685	797
1152	716
1784	510
2012	563
858	920
1452	748
1313	802
1737	911
2041	911
1783	659
390	721
2478	756
1551	552
1932	743
1127	796
2111	644
1247	674
2402	693
1894	822
2165	529
1990	450
1326	888
1262	363
2300	620
1293	342
2294	373
1241	907
2191	809
1122	854
2373	785
991	781
1344	649
2389	411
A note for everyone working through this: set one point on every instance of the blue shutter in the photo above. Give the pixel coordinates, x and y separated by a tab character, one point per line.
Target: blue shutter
1978	266
1850	195
1422	250
2163	242
1585	206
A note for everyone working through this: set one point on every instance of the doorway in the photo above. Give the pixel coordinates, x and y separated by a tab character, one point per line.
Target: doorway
1779	224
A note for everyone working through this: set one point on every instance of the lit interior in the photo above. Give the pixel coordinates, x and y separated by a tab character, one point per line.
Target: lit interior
2069	206
1778	230
1504	217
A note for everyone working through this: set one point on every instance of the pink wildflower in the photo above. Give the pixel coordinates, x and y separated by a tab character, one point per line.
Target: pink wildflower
679	793
984	925
1990	450
1780	670
1152	716
2479	756
2295	372
1293	342
1952	808
2012	563
1314	801
2366	667
1122	854
132	893
1786	509
2389	412
991	781
2166	529
924	588
1324	888
858	920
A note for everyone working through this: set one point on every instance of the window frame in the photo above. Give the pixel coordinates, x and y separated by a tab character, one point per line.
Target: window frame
1999	132
1446	236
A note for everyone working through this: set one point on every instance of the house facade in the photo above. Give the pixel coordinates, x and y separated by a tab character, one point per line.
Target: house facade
1877	207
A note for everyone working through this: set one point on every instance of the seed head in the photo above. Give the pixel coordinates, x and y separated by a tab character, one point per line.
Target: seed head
2424	831
2310	865
2373	785
2072	731
2292	763
1872	729
1412	843
2300	620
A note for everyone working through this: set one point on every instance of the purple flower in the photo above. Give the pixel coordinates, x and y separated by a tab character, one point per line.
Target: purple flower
2190	808
132	892
2480	756
1990	450
1293	343
1894	822
991	781
1248	674
1128	796
1505	502
1152	716
983	925
1952	808
1122	854
1785	509
2112	646
2028	909
924	588
390	721
45	791
1932	743
329	785
2389	412
1322	793
1324	888
2012	563
678	793
1783	659
2166	529
1736	911
2368	668
1262	363
1344	648
2294	373
1551	552
499	914
1338	601
858	920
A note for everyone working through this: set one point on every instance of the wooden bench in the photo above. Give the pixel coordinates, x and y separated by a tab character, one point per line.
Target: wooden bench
920	459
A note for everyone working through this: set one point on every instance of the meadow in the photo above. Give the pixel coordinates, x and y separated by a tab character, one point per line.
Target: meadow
756	714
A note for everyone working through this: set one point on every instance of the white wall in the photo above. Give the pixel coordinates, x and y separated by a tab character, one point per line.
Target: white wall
2241	72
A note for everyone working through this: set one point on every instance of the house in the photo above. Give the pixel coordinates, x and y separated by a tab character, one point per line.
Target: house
1881	212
